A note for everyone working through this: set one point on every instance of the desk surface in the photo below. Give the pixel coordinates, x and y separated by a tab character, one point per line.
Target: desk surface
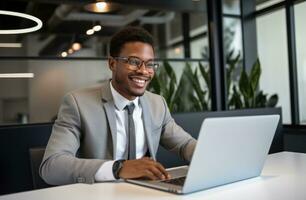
283	177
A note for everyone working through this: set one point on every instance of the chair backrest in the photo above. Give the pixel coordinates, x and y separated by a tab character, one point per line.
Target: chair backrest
15	142
36	156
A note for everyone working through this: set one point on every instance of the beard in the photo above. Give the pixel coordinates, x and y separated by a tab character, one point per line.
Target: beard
126	87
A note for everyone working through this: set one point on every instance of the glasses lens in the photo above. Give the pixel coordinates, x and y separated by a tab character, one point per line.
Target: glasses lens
152	65
135	61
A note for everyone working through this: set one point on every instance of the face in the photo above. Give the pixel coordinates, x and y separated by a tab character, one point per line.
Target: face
132	83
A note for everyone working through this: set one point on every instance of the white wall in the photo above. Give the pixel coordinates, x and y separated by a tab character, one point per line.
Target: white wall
13	88
53	79
13	92
273	55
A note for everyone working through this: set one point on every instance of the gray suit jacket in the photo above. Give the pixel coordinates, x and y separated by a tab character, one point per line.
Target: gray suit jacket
84	134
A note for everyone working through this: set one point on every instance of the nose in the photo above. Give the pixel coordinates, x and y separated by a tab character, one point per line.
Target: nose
142	68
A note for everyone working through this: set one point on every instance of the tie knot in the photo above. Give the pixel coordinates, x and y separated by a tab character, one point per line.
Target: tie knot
130	108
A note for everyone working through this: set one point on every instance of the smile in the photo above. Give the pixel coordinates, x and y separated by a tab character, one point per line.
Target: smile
139	81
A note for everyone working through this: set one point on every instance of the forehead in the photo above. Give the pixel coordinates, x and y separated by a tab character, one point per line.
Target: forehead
139	49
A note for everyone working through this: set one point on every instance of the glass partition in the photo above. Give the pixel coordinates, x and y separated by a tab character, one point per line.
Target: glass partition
273	56
71	49
37	99
300	16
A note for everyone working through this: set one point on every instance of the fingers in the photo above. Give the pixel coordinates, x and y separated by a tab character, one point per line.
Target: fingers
157	169
145	167
163	170
157	173
150	175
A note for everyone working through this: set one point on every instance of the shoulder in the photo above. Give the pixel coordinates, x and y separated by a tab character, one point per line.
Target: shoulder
151	97
156	103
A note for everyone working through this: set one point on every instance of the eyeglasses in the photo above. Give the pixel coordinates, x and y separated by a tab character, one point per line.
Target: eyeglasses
136	63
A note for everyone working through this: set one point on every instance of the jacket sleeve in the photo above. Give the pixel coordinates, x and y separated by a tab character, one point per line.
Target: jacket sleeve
174	138
60	164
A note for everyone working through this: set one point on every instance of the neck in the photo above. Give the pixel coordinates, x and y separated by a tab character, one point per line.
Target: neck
130	98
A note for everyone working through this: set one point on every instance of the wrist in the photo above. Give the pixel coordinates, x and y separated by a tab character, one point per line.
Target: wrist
117	166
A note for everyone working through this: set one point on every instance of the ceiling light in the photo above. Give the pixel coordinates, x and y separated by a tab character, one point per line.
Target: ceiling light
11	45
90	32
102	7
76	46
177	50
17	75
97	28
22	15
70	51
64	54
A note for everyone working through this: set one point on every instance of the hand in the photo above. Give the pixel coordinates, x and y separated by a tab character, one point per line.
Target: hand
143	168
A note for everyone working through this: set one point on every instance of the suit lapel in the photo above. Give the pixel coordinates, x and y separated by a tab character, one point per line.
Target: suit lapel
146	116
109	106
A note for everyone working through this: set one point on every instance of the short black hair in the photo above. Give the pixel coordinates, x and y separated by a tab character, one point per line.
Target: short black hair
129	34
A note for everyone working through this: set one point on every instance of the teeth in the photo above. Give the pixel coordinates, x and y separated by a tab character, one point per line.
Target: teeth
138	80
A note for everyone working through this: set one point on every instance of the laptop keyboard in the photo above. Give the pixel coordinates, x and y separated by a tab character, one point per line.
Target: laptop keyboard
176	181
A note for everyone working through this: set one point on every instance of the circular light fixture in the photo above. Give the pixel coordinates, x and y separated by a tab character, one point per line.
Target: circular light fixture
97	28
102	7
64	54
76	46
22	15
90	32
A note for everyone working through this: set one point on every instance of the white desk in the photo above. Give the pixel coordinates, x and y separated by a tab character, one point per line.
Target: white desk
283	177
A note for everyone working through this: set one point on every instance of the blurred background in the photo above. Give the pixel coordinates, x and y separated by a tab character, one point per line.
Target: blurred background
70	51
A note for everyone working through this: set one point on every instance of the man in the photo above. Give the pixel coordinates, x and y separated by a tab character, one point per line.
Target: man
113	131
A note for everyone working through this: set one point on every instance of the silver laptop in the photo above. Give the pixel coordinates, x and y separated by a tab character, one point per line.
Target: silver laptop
229	149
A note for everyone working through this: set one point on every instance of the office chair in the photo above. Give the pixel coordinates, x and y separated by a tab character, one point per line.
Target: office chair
36	156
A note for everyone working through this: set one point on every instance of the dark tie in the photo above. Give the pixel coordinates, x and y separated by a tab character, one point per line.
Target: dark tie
131	133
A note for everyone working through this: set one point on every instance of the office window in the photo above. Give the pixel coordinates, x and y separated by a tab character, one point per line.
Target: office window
232	35
273	55
231	7
300	16
198	35
261	4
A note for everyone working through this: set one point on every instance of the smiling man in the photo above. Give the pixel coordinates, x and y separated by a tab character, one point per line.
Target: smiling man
113	131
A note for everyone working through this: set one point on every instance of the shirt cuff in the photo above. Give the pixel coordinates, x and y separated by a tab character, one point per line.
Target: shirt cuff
105	172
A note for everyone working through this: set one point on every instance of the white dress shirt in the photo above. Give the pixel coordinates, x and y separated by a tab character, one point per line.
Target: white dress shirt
105	173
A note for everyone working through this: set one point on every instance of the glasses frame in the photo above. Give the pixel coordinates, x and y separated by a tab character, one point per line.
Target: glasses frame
127	61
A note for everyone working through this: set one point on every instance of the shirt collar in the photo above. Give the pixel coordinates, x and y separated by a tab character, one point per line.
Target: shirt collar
119	100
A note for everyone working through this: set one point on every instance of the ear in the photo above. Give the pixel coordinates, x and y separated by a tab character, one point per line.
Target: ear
111	63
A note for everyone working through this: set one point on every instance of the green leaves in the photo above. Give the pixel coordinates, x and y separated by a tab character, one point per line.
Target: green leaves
189	94
255	75
272	101
248	86
192	92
